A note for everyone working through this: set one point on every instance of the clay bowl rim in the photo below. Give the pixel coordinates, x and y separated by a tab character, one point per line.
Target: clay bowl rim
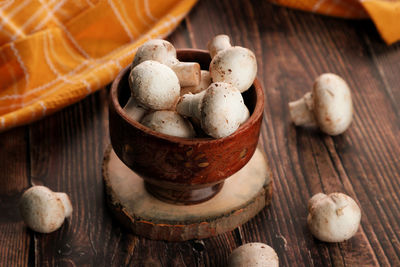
257	112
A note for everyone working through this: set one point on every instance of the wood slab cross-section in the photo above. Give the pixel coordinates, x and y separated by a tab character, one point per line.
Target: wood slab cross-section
242	196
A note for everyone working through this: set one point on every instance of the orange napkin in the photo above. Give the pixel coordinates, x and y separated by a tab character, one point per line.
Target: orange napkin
55	53
384	13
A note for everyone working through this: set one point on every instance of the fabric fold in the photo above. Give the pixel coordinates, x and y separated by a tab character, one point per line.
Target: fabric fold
64	51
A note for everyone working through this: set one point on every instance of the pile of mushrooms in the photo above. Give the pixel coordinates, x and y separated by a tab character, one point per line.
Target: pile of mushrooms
168	95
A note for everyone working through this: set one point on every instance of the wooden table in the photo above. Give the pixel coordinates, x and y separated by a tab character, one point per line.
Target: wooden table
64	152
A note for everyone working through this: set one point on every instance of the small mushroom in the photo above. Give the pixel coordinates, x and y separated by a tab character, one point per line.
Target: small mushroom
164	52
203	85
328	106
169	122
334	217
220	109
232	64
43	210
154	85
134	110
253	254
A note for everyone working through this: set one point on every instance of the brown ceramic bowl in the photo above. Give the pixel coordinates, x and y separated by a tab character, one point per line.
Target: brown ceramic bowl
180	170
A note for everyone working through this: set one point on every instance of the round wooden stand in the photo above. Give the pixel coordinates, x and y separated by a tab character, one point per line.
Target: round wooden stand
243	195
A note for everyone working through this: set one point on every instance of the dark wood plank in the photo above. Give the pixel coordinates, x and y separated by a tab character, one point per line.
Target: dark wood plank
295	47
15	238
65	151
66	155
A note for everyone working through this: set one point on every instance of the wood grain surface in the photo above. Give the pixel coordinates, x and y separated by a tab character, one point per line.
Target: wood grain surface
64	152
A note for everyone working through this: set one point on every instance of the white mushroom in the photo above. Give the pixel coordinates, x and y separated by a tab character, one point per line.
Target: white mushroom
334	217
134	110
203	85
164	52
328	106
253	255
232	64
169	122
220	109
43	210
154	85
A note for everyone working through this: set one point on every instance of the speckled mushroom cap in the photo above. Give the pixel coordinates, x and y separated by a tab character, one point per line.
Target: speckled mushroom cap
235	65
169	122
154	85
222	110
334	217
157	50
253	255
43	210
333	108
164	52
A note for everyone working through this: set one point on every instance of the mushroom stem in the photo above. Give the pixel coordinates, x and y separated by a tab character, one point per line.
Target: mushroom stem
301	111
133	109
66	203
190	105
218	43
188	73
205	81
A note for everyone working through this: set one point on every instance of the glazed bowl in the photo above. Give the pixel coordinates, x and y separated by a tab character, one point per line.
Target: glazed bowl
182	170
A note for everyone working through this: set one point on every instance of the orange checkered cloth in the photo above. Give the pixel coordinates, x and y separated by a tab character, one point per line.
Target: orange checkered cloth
55	53
384	13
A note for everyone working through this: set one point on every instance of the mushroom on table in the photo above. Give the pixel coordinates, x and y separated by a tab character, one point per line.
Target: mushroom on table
253	255
334	217
328	106
43	210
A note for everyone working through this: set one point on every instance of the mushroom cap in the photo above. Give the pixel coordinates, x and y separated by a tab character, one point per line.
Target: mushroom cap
235	65
222	110
169	122
253	254
334	217
157	50
333	108
41	209
154	85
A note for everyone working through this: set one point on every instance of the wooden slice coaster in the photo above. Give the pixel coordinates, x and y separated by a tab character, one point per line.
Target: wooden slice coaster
243	195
